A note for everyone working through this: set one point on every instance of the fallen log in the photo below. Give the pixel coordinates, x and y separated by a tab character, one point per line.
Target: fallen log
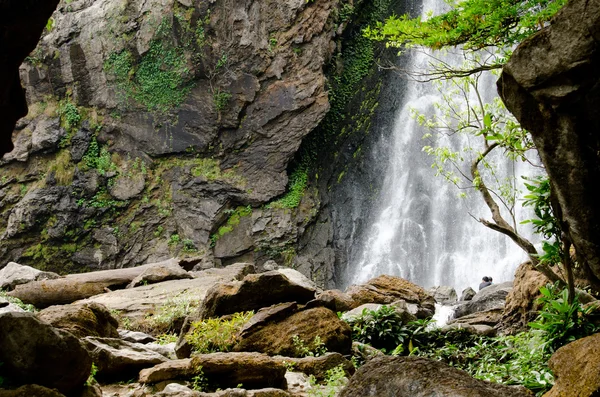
78	286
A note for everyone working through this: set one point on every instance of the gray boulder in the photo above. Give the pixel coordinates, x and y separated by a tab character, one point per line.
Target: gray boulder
444	294
119	359
14	274
489	298
86	319
33	352
467	294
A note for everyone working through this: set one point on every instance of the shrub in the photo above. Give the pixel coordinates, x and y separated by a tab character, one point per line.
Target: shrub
562	322
335	379
171	314
382	328
217	334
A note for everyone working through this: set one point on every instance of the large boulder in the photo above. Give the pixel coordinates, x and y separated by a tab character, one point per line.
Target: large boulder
551	86
33	352
117	359
387	289
444	294
253	370
521	302
400	307
275	337
389	376
575	367
14	274
31	391
335	300
489	298
254	292
87	319
479	322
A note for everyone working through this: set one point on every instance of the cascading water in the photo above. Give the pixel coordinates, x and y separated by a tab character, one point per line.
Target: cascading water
421	230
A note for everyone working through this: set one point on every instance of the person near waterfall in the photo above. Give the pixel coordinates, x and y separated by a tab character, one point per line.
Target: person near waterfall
485	282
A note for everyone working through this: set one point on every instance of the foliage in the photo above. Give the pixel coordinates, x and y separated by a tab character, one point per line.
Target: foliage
335	379
296	187
174	309
18	302
216	334
382	328
211	170
98	157
199	381
92	378
160	79
221	99
545	222
69	113
233	220
560	321
315	348
475	24
166	338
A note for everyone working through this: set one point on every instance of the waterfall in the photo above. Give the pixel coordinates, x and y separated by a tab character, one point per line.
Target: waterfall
420	229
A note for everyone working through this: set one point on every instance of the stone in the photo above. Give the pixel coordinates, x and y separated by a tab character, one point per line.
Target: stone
400	308
14	274
365	352
298	278
177	390
276	338
33	352
46	135
135	336
80	143
117	359
443	294
521	302
335	300
127	187
253	370
551	86
248	294
489	298
386	289
87	319
467	294
169	370
390	376
575	367
31	391
166	271
489	317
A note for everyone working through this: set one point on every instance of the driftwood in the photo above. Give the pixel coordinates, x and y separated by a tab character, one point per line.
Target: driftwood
78	286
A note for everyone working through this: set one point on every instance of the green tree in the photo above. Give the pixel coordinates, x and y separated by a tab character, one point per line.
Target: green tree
472	24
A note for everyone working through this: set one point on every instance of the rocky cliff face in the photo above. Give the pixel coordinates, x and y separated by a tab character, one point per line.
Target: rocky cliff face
552	85
161	127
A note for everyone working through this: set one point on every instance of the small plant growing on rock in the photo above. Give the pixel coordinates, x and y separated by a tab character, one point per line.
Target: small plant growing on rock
199	382
335	379
16	301
173	312
217	334
315	349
